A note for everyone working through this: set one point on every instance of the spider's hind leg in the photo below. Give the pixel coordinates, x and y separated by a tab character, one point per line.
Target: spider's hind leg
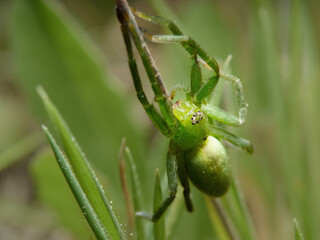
184	181
172	174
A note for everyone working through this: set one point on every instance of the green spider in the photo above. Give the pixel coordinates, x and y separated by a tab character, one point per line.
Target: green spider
195	151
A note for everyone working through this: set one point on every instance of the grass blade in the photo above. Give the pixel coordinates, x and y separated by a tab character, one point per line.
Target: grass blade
216	221
82	199
52	190
136	195
83	170
125	188
159	227
238	212
297	230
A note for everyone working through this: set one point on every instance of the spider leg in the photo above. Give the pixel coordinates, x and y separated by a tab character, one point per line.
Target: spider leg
199	89
193	48
172	174
242	143
239	93
184	181
223	116
131	29
196	76
152	112
187	42
177	88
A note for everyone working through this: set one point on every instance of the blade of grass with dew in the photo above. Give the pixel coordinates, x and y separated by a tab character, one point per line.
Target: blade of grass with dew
52	189
297	230
136	194
125	189
159	227
84	203
83	170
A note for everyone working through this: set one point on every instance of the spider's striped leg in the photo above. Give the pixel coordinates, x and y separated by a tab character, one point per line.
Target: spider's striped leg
172	174
207	87
199	90
152	112
242	143
193	48
162	97
187	42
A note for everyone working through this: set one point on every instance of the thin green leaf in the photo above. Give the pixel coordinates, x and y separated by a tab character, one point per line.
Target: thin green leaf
84	203
136	195
159	227
216	221
238	212
297	230
83	170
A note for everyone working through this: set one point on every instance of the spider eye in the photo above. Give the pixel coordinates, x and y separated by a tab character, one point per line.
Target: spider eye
196	117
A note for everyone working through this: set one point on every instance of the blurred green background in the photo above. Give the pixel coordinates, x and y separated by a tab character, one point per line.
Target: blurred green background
75	51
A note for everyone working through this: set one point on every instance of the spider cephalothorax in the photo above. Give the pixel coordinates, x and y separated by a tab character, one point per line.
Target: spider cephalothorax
192	126
195	152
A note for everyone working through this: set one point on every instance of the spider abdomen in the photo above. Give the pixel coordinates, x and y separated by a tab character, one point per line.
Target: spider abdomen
192	127
208	167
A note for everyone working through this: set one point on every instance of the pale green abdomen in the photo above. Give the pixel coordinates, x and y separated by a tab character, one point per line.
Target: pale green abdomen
208	167
193	125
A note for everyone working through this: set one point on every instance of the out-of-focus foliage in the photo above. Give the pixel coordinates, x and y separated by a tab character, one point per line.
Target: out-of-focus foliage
74	49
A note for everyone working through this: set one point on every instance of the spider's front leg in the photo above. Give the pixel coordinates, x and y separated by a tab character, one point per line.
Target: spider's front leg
152	112
207	87
131	31
187	42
